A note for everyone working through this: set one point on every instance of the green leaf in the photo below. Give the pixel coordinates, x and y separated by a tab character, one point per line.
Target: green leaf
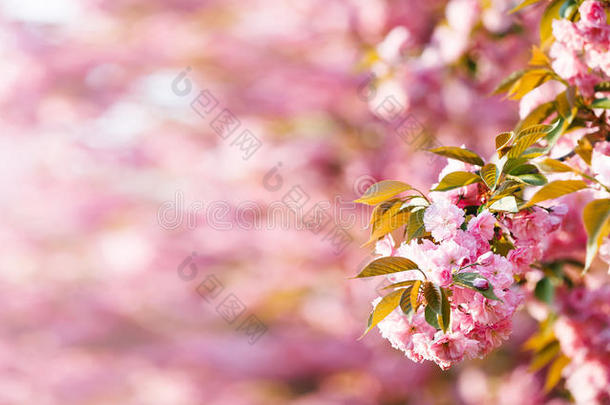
505	204
431	318
415	226
603	86
559	126
456	180
523	169
432	294
383	309
553	166
462	154
507	188
382	191
466	279
523	5
534	179
556	189
444	318
544	290
568	8
596	217
490	174
405	301
512	163
601	103
387	265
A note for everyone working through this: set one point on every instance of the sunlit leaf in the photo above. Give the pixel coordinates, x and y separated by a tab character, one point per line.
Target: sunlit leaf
382	191
415	295
387	265
535	131
456	180
546	29
543	337
388	220
504	139
415	226
537	115
462	154
527	137
444	318
508	82
553	166
544	356
559	126
556	189
503	143
584	149
414	202
538	57
554	374
564	103
505	204
383	309
596	217
490	174
382	208
531	79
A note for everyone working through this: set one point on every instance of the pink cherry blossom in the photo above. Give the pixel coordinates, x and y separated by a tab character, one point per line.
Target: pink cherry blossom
442	219
592	13
482	225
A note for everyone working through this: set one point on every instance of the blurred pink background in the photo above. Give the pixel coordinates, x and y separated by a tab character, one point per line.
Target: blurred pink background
136	244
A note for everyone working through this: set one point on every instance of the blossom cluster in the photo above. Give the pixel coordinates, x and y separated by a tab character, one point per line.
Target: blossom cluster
580	52
461	243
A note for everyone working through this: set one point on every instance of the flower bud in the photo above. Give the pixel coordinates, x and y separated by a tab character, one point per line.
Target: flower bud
481	283
485	258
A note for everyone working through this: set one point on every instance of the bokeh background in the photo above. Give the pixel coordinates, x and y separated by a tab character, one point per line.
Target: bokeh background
131	218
